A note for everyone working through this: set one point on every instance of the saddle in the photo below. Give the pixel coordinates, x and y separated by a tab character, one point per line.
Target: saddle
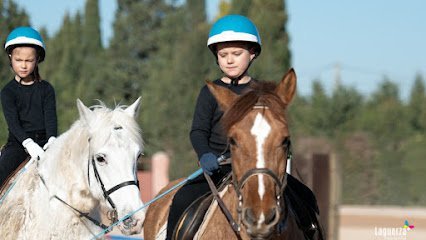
191	219
11	177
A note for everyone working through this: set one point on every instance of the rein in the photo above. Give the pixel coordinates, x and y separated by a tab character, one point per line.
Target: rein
81	214
235	226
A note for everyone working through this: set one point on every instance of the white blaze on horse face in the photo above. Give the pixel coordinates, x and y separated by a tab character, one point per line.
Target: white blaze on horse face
260	131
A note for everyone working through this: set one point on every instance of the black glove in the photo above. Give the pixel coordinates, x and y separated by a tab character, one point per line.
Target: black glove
208	163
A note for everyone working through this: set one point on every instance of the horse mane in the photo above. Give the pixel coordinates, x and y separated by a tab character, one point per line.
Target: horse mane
260	93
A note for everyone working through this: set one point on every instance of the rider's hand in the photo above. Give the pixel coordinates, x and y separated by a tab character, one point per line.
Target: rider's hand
49	143
33	149
208	163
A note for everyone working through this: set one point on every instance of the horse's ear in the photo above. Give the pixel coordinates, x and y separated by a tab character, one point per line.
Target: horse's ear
287	87
224	96
133	109
85	113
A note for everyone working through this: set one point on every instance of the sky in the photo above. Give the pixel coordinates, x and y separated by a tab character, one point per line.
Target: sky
360	41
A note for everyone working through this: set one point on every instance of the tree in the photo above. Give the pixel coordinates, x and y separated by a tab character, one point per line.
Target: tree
270	17
91	30
416	105
224	8
241	7
130	50
345	105
177	72
386	116
64	66
318	115
91	52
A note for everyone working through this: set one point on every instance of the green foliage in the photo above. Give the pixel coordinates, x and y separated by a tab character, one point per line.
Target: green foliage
416	105
241	7
177	72
270	17
91	39
345	105
224	8
63	66
385	115
413	167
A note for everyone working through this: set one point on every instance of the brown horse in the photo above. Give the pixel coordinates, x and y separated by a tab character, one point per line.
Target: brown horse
257	130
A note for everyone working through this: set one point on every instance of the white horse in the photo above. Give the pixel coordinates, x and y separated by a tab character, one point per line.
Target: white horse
91	168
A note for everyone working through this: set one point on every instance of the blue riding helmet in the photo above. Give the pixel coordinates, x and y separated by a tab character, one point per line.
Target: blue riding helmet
25	36
234	28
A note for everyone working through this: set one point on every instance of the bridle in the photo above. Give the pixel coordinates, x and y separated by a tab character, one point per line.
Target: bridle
112	214
280	184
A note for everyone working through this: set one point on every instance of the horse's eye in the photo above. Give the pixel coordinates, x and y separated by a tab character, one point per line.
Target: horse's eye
232	141
286	143
100	158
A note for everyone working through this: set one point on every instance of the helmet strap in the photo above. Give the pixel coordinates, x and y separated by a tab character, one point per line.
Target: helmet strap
234	81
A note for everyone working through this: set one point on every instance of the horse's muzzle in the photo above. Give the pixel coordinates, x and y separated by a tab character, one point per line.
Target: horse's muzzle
261	227
131	226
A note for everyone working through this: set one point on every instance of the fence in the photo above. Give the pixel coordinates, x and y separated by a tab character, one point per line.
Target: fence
315	164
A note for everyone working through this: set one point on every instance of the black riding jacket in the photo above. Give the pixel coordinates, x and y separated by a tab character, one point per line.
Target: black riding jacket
29	108
206	132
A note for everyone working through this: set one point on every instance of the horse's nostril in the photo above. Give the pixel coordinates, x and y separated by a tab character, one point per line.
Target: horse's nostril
270	217
249	216
128	223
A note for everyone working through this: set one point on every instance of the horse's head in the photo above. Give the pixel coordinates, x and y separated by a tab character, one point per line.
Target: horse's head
114	145
257	130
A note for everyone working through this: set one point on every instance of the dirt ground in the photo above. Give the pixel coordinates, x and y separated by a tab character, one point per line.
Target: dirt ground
374	222
370	223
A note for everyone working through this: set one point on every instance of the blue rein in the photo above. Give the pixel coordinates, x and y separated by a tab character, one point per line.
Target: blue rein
189	178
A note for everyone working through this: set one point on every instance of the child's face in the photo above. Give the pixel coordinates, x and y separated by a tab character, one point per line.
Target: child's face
23	61
234	58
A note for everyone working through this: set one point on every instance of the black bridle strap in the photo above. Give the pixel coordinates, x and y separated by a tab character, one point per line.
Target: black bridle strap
113	189
222	206
120	186
258	171
81	214
95	170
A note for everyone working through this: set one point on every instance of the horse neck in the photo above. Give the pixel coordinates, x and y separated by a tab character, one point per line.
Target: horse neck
64	168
